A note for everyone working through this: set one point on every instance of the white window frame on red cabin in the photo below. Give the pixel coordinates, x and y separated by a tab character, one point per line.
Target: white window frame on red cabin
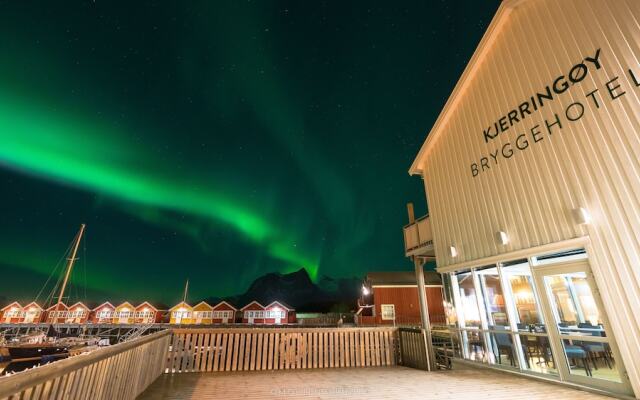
384	315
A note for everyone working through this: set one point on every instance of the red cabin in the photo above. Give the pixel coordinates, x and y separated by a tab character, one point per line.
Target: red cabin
145	313
31	313
223	313
78	314
253	313
12	313
279	313
103	314
57	314
392	298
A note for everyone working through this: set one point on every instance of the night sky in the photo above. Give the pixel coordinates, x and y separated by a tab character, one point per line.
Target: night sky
217	141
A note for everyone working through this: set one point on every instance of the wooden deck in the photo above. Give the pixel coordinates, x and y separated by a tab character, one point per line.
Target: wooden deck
359	383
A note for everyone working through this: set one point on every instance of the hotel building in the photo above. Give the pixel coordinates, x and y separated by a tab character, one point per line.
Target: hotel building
532	178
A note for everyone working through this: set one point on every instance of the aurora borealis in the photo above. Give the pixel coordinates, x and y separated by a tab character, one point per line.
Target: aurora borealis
217	141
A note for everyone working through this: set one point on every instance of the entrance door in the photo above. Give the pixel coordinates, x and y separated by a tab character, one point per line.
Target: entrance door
580	333
124	317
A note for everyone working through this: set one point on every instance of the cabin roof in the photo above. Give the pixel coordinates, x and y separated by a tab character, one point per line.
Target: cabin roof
203	303
253	302
15	303
33	303
79	303
183	304
125	304
224	302
148	305
401	278
281	304
106	303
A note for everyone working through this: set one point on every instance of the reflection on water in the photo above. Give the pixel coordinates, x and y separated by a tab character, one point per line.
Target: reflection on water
7	368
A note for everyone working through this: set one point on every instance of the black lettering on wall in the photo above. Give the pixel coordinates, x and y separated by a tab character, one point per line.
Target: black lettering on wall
580	111
612	89
549	126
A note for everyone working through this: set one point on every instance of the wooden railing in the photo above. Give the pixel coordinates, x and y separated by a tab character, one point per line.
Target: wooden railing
211	350
117	372
413	348
418	237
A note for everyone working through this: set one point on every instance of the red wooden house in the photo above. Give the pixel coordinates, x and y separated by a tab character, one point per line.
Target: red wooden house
253	313
32	313
279	313
103	314
223	313
145	313
57	314
392	298
78	314
11	313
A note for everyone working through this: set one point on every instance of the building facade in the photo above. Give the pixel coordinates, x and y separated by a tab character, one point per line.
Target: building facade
253	313
103	314
532	177
391	298
181	313
223	313
124	313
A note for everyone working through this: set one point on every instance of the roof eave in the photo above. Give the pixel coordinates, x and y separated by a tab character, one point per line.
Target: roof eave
495	27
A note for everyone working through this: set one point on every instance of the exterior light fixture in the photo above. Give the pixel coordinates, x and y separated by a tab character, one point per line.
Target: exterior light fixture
365	290
503	238
453	251
582	216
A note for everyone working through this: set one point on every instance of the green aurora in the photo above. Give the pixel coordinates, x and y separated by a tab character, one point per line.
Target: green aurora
216	141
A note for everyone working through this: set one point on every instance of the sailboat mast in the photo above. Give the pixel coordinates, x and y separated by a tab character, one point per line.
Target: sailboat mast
186	289
71	260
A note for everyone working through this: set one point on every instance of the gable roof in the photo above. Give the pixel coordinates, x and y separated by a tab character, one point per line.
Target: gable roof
281	304
126	304
253	302
8	306
79	303
148	305
487	42
183	304
33	303
224	302
106	303
202	303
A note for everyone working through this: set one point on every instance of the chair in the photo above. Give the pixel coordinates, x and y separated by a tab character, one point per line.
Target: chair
594	348
578	353
503	343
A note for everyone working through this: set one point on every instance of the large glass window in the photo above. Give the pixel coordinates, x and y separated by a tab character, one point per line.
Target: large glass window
468	308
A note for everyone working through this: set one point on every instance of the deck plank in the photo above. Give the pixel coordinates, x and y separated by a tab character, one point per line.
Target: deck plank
359	383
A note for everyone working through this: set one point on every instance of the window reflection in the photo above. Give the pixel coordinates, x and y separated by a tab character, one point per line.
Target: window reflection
469	302
527	310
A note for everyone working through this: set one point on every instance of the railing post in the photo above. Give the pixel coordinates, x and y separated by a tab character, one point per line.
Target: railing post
424	312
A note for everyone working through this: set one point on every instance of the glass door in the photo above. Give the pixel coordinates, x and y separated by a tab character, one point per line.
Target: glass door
579	331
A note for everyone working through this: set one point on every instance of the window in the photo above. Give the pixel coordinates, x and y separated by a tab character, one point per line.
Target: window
388	311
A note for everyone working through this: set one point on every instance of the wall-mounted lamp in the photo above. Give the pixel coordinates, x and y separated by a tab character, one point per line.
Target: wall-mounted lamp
453	251
365	290
503	238
582	216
